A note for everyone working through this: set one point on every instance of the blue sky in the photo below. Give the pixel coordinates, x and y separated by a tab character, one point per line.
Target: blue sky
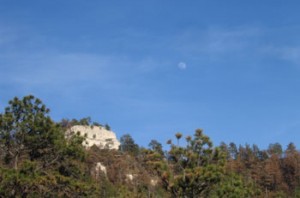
153	68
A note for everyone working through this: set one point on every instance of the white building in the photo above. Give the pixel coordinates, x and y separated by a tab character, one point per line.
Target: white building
95	135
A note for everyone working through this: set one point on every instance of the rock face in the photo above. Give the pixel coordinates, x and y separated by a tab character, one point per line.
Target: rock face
95	135
99	167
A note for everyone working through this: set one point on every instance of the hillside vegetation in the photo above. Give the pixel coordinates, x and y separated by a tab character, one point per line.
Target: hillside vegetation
37	161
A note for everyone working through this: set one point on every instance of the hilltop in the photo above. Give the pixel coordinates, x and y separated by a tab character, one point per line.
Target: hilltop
37	160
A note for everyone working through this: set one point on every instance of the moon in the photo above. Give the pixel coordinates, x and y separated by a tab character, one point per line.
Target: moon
182	65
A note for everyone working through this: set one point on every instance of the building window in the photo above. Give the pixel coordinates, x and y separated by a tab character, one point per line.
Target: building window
94	136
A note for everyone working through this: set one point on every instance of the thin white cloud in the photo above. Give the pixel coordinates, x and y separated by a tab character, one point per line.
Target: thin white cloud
73	73
286	53
148	65
67	75
45	69
243	43
216	43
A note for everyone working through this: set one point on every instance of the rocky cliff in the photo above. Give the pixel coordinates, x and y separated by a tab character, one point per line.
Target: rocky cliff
95	135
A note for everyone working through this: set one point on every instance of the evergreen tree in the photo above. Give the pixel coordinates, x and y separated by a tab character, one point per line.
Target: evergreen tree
155	146
193	170
26	131
128	145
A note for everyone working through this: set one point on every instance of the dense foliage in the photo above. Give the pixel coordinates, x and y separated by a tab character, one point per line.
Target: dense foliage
36	160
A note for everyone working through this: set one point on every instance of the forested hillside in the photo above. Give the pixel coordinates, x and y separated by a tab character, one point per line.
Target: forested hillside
37	161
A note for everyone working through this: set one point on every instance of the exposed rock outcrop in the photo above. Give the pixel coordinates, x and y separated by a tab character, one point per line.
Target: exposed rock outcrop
99	168
95	135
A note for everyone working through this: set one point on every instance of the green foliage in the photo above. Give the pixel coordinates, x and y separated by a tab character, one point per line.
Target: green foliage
26	130
275	148
107	127
128	145
195	169
86	121
297	192
30	182
97	124
155	146
234	186
37	161
178	137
